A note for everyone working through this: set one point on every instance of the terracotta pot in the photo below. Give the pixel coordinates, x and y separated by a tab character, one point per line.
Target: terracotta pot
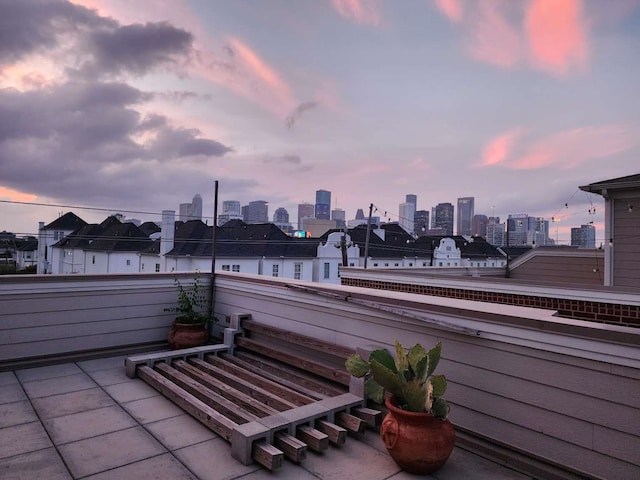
418	442
187	335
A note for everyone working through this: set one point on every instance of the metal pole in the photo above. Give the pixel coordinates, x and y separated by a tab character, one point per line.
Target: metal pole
366	241
213	249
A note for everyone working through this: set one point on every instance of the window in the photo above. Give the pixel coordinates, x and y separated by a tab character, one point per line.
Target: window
493	264
386	264
439	264
297	270
327	270
375	264
410	264
235	268
157	267
424	264
275	270
485	264
93	259
396	264
352	264
448	248
128	262
225	268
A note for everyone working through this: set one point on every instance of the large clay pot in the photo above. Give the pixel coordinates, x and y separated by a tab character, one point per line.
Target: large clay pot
418	442
187	335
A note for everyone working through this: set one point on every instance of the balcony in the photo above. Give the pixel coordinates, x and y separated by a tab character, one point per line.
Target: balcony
532	395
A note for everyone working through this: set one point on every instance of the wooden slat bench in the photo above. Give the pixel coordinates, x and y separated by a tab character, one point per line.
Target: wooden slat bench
270	393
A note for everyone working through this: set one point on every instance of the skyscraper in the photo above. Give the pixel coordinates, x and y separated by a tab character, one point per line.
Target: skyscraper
230	211
256	212
339	216
583	236
465	215
323	205
411	198
479	226
443	218
305	210
406	214
281	220
191	211
421	222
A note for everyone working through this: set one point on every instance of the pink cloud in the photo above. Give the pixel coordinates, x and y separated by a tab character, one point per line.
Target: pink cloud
363	12
492	39
452	9
548	35
556	33
570	148
15	195
497	150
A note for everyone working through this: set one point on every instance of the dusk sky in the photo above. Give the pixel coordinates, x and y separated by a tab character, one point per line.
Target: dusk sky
137	105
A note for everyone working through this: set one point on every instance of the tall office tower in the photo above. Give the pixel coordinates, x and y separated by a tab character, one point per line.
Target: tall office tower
583	236
191	211
496	232
305	210
406	216
421	222
323	205
230	211
443	218
256	212
281	216
525	230
360	214
411	198
340	217
465	215
479	226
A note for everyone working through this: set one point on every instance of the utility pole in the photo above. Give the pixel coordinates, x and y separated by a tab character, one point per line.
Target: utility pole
366	241
343	248
213	251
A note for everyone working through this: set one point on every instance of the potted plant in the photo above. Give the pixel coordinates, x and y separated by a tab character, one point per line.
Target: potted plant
190	327
416	431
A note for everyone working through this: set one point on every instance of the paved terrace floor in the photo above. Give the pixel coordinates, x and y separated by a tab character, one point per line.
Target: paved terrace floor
87	420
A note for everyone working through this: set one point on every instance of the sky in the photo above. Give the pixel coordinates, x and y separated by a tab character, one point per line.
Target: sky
134	106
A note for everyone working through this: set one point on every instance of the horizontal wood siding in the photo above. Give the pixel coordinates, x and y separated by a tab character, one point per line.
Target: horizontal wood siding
626	244
69	314
568	410
553	269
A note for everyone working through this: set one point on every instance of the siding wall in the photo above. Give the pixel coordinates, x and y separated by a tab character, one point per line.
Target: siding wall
587	269
68	314
553	395
626	242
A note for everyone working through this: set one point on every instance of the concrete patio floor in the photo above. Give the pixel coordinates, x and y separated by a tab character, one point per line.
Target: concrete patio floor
87	420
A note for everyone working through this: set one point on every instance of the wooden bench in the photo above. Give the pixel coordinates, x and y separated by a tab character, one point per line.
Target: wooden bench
269	392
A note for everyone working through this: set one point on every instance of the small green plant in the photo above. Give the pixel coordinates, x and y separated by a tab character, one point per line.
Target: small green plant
192	303
409	378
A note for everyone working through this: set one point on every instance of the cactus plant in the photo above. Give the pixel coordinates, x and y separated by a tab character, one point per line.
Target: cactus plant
409	378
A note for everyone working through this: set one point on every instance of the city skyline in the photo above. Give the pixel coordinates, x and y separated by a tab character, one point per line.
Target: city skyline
127	105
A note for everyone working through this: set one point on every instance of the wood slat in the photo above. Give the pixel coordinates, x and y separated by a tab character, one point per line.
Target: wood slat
330	372
281	380
352	423
244	386
369	415
242	400
274	387
205	395
315	439
337	435
197	409
295	338
292	373
293	449
267	455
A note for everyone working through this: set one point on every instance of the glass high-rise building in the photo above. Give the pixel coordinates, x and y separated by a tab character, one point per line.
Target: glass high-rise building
465	215
256	212
191	211
323	205
443	218
305	210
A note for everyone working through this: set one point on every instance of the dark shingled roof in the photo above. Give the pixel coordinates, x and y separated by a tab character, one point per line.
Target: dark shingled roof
110	236
68	221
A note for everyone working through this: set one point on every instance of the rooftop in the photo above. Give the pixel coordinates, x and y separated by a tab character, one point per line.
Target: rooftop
88	420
